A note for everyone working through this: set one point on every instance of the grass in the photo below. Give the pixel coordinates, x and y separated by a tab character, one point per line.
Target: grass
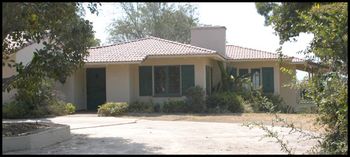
303	121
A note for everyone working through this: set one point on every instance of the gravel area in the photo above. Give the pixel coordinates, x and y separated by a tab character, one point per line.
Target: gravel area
111	135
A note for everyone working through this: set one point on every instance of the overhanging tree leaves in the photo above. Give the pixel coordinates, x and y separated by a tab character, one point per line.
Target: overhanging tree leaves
65	34
163	20
328	22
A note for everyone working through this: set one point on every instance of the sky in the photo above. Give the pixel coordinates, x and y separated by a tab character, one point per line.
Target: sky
244	26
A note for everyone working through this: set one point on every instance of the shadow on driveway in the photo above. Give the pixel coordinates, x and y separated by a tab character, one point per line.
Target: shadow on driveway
83	144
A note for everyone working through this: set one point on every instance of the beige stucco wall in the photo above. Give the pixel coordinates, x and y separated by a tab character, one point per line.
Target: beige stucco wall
199	76
289	95
73	89
118	83
26	54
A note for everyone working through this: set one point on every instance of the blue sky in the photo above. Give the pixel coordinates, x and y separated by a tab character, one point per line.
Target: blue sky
245	27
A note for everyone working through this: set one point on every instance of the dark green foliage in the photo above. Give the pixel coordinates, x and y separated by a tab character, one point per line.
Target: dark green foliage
65	35
328	22
112	109
195	99
225	101
14	109
57	108
141	107
175	106
279	104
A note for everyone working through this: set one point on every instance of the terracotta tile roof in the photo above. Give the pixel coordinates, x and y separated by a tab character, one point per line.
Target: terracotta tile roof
241	53
138	50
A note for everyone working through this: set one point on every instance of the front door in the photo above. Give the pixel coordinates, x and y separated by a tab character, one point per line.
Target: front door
96	87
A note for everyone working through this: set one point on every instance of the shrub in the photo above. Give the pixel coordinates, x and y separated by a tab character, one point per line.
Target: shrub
225	101
175	106
112	109
14	109
158	107
261	103
57	108
145	107
195	99
70	108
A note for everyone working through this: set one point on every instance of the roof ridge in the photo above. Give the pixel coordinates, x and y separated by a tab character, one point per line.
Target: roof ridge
258	50
183	44
125	42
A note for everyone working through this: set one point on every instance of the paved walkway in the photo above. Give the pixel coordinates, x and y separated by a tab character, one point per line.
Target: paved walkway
110	135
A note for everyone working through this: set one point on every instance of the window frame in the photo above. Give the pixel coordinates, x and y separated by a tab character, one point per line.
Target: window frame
167	94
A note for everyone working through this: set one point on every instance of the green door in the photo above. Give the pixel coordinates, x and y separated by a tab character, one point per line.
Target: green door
96	87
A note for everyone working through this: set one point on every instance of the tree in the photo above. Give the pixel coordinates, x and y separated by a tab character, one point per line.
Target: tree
168	21
65	34
328	22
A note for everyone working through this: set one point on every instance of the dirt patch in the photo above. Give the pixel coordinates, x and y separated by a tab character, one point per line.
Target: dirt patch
22	129
303	121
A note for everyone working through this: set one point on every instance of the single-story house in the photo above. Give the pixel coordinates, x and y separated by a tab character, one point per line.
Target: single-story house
155	69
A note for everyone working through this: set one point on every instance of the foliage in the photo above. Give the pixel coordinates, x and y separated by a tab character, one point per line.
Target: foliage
14	109
57	108
112	109
65	35
231	83
195	99
328	23
144	107
163	20
225	102
158	107
279	104
175	106
70	108
332	100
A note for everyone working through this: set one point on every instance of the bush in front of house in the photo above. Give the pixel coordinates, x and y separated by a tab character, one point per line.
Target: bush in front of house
141	107
175	106
69	108
15	109
57	108
222	102
112	109
195	99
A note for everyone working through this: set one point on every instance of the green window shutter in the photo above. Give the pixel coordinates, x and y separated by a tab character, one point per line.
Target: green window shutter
208	75
187	75
268	80
243	72
145	80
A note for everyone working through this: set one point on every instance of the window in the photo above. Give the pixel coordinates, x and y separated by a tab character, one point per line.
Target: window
166	80
243	72
255	78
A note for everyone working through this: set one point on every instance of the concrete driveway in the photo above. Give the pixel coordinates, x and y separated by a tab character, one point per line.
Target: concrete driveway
110	135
